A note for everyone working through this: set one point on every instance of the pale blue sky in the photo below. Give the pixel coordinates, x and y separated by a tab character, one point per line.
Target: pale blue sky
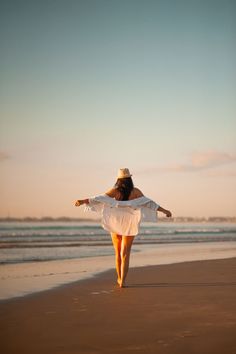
90	86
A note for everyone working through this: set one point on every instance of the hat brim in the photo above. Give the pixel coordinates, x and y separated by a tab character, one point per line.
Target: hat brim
120	177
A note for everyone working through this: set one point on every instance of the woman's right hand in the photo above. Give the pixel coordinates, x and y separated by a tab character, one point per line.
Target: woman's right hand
166	212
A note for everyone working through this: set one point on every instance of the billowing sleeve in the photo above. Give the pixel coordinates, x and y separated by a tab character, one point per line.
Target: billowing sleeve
149	211
94	205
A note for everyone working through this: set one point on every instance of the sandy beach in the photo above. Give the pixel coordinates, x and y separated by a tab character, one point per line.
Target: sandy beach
22	279
186	307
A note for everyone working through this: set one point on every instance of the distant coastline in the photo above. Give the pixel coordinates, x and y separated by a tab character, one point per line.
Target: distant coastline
179	219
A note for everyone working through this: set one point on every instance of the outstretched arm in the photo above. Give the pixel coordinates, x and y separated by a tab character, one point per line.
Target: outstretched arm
111	193
80	202
166	212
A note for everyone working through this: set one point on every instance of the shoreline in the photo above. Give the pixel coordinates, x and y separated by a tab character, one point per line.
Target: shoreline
169	308
19	280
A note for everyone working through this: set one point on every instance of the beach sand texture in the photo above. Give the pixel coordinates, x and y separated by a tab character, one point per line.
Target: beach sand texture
177	308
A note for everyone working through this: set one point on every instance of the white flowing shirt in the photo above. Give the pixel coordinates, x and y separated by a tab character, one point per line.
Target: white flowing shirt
123	217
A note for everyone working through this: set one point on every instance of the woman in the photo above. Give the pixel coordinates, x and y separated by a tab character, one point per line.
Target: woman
122	209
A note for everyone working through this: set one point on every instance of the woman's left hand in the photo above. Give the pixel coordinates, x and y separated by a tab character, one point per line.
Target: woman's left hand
78	203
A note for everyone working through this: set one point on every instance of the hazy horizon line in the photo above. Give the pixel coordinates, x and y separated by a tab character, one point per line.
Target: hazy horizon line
69	218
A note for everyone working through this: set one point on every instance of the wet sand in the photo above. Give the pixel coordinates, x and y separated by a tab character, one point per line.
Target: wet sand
178	308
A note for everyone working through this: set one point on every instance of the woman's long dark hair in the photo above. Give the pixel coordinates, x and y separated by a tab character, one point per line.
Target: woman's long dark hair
124	186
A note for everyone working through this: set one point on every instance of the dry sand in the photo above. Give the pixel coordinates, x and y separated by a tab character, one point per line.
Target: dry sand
178	308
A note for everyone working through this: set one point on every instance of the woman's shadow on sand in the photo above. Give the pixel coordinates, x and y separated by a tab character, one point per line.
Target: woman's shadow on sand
179	285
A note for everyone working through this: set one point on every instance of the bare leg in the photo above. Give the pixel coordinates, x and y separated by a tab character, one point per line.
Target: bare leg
125	256
116	240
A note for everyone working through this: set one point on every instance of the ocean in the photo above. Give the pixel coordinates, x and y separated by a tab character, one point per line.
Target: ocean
22	242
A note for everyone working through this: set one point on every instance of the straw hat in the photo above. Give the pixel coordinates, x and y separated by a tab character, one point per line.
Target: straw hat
123	173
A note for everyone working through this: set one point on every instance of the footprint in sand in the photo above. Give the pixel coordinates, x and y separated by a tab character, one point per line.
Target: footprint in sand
101	292
163	343
186	334
83	309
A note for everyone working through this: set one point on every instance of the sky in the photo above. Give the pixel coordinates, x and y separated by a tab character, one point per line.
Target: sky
91	86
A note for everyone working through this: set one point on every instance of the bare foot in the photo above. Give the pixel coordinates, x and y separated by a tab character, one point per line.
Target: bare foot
120	283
